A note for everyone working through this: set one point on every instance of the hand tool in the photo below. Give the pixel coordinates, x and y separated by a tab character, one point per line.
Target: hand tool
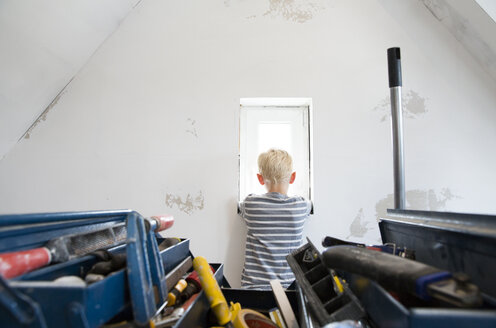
228	316
114	263
193	287
64	248
177	273
174	293
390	248
276	317
173	277
212	290
404	276
283	304
171	319
159	223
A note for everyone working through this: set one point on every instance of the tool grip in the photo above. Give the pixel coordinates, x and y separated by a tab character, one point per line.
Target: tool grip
163	222
212	290
394	67
392	272
17	263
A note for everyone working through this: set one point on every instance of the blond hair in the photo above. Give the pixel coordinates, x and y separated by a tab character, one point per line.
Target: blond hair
275	166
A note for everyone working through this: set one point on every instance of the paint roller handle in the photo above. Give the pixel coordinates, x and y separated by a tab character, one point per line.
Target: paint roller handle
394	67
14	264
211	288
160	223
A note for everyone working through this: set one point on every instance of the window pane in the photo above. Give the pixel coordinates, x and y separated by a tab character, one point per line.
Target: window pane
274	135
283	127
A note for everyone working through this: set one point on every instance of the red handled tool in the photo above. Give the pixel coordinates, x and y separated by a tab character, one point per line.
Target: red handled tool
64	248
193	286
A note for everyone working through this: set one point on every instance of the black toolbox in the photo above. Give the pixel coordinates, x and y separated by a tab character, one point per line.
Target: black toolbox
454	242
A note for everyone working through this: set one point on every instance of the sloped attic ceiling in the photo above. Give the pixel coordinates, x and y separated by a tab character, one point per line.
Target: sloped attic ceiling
470	22
45	44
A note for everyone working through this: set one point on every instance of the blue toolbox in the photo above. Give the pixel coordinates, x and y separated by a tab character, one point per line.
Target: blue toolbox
55	292
66	290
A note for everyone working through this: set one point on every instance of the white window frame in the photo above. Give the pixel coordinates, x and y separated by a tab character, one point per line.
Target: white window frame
279	102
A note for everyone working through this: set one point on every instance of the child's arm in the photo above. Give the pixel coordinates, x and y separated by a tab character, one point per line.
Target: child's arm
241	209
309	210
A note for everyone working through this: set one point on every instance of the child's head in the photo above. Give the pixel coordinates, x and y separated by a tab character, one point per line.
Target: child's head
275	166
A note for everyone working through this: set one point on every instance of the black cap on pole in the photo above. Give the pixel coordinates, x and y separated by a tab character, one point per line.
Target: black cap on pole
394	67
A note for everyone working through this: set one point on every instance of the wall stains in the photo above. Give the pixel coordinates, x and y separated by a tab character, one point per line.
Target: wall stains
43	116
463	27
428	200
293	10
419	199
413	105
299	11
188	205
358	227
192	129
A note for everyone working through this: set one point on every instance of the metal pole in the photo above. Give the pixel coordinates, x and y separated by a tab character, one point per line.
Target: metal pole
394	68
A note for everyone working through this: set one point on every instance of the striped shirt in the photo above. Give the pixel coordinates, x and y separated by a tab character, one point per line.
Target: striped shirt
275	228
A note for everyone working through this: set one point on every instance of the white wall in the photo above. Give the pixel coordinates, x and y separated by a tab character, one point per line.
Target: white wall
43	45
151	122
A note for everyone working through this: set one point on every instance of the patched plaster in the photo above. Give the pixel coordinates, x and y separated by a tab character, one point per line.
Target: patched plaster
188	204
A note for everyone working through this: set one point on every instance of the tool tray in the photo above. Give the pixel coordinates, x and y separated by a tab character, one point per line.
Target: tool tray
134	293
326	303
258	300
199	314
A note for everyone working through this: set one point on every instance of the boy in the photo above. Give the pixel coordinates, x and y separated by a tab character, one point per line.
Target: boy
275	223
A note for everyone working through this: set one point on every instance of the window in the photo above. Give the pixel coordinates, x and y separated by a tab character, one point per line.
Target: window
283	123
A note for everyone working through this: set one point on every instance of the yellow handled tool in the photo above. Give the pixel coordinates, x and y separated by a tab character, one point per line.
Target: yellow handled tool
232	316
212	290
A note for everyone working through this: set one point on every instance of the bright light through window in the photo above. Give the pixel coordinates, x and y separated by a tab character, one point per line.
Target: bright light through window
274	135
282	123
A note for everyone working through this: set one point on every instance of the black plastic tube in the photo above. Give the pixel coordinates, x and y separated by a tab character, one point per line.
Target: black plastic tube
394	67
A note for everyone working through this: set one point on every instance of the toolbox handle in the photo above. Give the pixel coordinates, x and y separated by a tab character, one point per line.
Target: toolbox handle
145	269
160	223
